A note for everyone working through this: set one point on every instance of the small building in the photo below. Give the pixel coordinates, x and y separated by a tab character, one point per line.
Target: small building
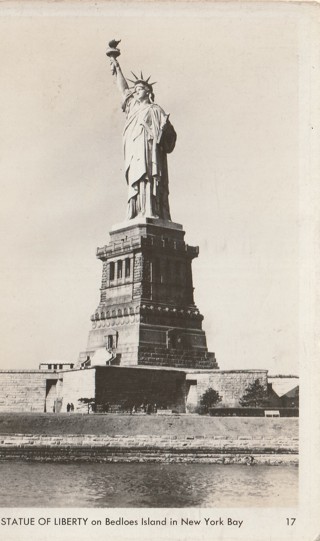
291	398
283	391
56	366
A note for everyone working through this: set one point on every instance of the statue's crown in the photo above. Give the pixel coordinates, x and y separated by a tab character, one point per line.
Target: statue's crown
141	80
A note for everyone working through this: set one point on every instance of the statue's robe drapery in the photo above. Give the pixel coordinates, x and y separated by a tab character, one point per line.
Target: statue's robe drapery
148	136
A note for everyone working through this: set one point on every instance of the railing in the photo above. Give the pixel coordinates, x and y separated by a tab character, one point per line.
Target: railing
138	242
252	412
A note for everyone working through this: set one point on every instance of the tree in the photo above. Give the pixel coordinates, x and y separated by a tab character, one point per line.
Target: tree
209	399
255	396
90	402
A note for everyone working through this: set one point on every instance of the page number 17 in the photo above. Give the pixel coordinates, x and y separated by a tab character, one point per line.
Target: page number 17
290	521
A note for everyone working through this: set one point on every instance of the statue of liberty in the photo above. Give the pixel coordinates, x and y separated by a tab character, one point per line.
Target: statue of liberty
147	139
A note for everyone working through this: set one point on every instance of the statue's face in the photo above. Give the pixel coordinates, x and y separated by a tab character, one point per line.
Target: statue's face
141	91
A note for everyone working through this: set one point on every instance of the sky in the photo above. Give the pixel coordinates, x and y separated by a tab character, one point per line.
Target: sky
229	77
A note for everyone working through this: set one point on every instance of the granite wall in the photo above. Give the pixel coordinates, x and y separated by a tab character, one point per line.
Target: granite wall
77	384
230	384
27	390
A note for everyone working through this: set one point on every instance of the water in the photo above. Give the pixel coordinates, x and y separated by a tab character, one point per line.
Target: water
147	485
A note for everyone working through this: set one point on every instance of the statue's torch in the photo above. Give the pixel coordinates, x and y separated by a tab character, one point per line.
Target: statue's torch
113	52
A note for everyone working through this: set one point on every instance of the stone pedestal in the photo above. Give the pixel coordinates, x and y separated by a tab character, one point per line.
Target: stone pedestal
147	314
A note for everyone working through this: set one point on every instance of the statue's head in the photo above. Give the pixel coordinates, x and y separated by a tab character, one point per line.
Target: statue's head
144	91
143	88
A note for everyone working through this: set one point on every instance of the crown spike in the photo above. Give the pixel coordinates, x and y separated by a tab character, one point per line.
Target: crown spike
134	75
147	80
141	75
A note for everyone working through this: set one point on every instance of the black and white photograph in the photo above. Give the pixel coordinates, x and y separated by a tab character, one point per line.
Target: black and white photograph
160	235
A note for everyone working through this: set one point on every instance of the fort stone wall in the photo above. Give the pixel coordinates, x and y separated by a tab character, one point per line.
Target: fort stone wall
77	384
135	386
230	384
26	390
171	388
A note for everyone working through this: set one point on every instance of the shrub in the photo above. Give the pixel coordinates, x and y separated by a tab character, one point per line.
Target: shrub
255	396
91	402
209	399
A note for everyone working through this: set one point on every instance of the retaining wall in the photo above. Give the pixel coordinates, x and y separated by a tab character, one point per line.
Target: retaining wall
147	449
143	438
149	425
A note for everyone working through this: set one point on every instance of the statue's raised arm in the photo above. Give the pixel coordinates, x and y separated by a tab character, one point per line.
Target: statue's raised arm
113	52
148	137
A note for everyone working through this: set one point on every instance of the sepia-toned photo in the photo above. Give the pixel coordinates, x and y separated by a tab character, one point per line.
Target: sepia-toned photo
158	280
